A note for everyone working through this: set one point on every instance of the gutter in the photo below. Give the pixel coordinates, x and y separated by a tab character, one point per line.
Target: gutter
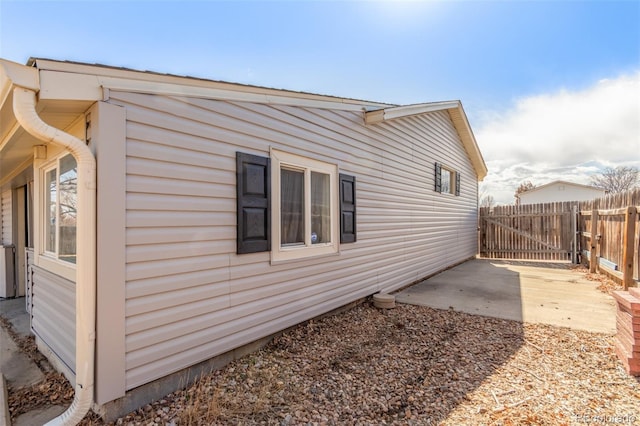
24	108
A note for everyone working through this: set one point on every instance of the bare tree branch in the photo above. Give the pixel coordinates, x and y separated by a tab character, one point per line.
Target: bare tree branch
616	180
524	186
487	201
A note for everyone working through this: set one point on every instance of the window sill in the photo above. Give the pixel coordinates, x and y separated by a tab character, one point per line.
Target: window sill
64	269
302	254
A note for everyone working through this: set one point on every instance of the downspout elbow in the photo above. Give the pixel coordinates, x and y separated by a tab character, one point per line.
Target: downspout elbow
24	107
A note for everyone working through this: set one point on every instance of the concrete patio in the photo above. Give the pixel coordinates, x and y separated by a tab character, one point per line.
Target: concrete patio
527	291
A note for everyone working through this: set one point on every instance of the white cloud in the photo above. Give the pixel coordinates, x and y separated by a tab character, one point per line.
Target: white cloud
568	135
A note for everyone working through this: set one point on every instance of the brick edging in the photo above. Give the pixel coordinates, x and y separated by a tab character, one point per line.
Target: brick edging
627	343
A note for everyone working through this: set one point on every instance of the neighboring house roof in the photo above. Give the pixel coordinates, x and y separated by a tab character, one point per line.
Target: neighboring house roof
562	182
80	84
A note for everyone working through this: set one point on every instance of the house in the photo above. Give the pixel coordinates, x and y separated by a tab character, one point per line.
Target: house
168	223
560	191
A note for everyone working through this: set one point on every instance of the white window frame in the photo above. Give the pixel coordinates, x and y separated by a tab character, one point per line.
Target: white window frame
279	253
50	259
452	180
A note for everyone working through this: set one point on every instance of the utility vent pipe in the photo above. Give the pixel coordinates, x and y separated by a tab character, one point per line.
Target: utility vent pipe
384	301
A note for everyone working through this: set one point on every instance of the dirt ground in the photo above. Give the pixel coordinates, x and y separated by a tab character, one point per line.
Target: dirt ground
410	365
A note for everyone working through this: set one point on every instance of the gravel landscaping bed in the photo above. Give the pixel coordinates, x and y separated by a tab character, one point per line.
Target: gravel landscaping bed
410	365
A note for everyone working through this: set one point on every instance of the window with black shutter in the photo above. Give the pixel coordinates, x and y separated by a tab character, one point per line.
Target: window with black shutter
253	187
447	181
293	206
347	208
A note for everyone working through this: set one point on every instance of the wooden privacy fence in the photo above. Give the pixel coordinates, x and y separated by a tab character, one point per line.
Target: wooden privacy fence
572	231
530	231
610	234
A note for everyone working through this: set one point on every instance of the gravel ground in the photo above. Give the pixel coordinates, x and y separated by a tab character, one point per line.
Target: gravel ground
410	365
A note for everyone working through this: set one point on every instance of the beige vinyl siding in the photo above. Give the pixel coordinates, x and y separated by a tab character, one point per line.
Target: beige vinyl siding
54	314
5	218
189	297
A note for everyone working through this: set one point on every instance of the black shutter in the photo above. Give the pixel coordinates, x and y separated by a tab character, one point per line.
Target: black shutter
458	183
347	208
253	187
438	178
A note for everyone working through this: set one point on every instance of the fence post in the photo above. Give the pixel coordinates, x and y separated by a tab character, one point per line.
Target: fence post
593	259
574	229
628	242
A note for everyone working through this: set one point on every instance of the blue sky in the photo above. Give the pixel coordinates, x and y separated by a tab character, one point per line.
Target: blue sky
529	74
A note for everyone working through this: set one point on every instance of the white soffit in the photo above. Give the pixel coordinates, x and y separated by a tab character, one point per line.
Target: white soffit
380	115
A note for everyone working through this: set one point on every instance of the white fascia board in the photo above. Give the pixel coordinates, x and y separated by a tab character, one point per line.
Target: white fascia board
170	85
69	86
409	110
378	116
13	75
19	75
461	123
169	89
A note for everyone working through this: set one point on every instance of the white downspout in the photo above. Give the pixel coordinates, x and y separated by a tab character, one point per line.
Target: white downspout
24	107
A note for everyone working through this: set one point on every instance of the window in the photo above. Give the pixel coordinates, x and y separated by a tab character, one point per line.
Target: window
445	178
310	215
305	207
292	207
447	181
61	180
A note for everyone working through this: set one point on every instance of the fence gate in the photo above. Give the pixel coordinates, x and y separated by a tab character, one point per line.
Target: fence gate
532	231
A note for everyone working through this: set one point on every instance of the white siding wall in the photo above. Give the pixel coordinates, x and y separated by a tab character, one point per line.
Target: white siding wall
560	191
5	218
190	297
54	315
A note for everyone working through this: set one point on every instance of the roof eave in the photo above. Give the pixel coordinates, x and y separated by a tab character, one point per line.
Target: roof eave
118	78
13	75
97	78
564	182
377	116
458	117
